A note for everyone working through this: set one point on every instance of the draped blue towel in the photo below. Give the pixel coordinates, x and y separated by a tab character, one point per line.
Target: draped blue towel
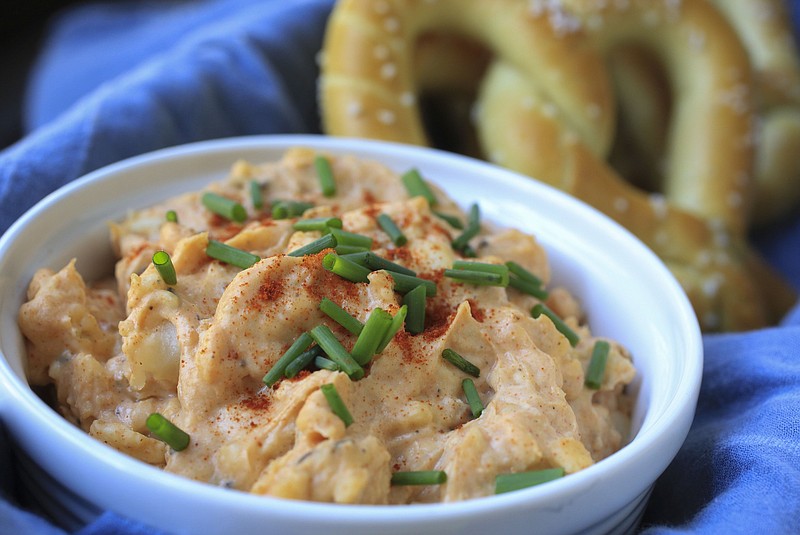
122	78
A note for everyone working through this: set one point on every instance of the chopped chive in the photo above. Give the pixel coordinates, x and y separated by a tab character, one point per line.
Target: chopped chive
460	362
473	227
522	273
451	220
391	228
416	186
317	246
227	208
497	269
344	237
376	327
326	364
474	400
420	477
255	195
347	269
527	287
336	352
278	370
164	266
323	224
325	175
340	316
301	361
374	262
168	432
336	404
230	255
597	365
350	249
480	278
539	309
509	482
287	209
415	301
171	216
397	323
405	283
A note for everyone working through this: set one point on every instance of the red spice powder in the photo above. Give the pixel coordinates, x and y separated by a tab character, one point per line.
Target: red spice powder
258	402
270	290
368	197
478	313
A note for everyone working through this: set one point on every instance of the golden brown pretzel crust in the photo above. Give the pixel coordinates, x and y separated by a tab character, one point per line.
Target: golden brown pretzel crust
537	114
765	31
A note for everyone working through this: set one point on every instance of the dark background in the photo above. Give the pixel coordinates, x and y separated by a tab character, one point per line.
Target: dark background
22	28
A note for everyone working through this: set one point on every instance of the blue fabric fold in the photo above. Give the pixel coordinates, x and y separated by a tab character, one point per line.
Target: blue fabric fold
117	79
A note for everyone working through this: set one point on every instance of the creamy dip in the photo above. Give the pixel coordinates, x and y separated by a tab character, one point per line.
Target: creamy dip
196	352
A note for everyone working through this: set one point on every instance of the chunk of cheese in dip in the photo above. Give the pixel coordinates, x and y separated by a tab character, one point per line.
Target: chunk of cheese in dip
197	351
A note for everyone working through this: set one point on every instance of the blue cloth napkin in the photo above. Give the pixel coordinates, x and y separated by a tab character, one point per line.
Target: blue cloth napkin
123	78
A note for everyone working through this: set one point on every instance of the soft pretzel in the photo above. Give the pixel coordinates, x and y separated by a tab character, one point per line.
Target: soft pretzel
368	87
765	29
538	115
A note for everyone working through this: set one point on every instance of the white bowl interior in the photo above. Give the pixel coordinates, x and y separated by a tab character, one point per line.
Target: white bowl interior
628	293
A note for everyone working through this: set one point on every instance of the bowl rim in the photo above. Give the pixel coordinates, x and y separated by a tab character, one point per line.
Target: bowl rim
19	396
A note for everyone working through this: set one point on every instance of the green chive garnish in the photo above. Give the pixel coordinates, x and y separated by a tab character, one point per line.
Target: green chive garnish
474	400
473	227
416	186
405	283
171	216
323	224
168	432
350	249
255	195
415	301
227	208
336	352
420	477
347	269
344	237
340	316
278	369
562	327
230	255
337	405
508	482
376	327
451	220
483	267
390	228
288	209
524	281
480	278
527	287
326	364
397	323
301	361
523	273
164	266
317	246
460	362
374	262
325	175
597	365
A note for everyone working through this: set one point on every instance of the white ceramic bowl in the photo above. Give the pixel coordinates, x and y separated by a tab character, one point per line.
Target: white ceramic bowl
628	293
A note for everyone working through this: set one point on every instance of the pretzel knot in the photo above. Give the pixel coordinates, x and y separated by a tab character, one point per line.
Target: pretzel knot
546	107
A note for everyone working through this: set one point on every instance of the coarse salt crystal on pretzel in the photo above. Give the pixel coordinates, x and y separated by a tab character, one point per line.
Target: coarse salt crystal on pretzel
537	114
